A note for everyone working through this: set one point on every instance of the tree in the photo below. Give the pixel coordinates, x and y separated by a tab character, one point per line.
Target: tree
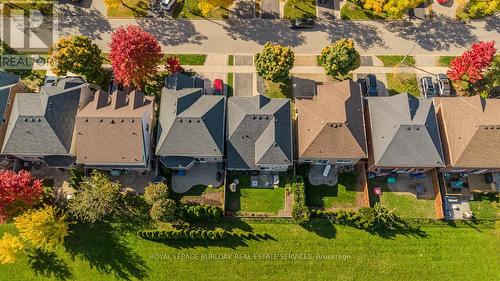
43	228
135	55
481	8
274	62
207	6
76	177
155	192
489	86
76	54
375	5
18	192
173	65
470	66
96	198
397	8
9	247
340	57
165	210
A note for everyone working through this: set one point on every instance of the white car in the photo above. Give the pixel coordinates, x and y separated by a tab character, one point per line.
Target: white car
167	4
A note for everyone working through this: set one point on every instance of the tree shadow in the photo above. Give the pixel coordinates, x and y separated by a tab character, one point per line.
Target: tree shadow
242	10
105	251
492	23
365	35
48	265
172	31
437	34
263	31
88	22
401	228
322	228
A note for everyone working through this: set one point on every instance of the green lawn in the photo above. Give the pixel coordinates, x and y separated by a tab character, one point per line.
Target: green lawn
396	60
230	84
316	252
444	61
352	11
398	83
301	9
189	9
278	89
343	195
129	9
230	60
486	209
255	200
25	7
190	59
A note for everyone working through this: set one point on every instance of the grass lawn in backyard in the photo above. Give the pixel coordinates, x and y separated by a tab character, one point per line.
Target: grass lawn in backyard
198	190
248	199
398	83
189	9
189	59
396	60
129	9
278	89
351	11
342	195
444	61
105	252
301	9
486	209
403	204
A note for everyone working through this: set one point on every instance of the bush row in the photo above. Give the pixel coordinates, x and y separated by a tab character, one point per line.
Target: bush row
184	234
202	212
300	211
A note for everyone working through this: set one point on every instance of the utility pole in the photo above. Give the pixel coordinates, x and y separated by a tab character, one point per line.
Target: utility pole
411	50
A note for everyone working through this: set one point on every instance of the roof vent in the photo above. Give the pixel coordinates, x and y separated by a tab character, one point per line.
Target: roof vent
32	119
25	119
260	117
132	120
180	120
417	128
333	125
189	120
267	117
122	120
112	121
408	128
100	120
254	117
86	120
39	119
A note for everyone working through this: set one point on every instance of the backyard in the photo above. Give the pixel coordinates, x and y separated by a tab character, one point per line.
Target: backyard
202	194
316	252
343	195
486	208
247	199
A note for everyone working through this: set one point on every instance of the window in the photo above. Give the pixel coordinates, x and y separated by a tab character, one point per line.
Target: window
343	162
323	162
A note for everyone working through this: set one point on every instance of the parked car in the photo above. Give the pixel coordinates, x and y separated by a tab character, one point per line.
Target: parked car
303	23
371	85
49	81
218	87
443	84
428	87
167	4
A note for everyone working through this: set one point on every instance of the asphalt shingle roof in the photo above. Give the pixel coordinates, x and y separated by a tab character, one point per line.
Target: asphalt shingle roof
259	132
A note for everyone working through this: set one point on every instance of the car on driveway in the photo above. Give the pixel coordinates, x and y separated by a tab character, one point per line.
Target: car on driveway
371	85
443	84
304	23
428	87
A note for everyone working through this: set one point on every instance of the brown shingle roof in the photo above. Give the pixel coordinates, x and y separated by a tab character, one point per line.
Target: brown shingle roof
110	129
471	127
331	124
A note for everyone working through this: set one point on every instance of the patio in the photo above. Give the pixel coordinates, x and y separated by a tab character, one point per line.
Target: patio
419	187
199	174
316	177
462	184
59	179
134	179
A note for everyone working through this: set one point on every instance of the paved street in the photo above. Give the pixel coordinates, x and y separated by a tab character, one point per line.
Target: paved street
442	35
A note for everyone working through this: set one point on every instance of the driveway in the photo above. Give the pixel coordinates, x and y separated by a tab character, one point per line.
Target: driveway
381	82
243	9
270	9
243	84
326	9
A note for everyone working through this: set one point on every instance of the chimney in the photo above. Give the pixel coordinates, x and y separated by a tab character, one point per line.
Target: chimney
136	99
101	99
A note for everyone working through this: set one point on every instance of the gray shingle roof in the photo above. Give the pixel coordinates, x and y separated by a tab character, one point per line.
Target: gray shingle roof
259	132
404	132
191	124
7	81
43	124
179	81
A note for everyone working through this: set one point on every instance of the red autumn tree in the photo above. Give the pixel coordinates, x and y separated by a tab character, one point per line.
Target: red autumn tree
135	55
472	63
18	191
173	65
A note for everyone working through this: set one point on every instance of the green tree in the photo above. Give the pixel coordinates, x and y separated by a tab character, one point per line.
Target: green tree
10	245
43	228
340	57
76	177
489	86
97	198
76	54
155	192
274	62
165	210
397	8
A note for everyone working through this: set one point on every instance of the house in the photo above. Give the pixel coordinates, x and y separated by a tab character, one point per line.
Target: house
114	131
10	85
403	135
41	126
190	125
259	134
330	125
470	131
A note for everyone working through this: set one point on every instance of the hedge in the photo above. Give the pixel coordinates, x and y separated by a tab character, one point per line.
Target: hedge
184	234
300	211
202	212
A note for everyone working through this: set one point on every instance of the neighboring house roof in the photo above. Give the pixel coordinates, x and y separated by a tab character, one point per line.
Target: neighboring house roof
471	127
191	124
7	81
43	124
259	132
179	81
114	128
404	132
331	124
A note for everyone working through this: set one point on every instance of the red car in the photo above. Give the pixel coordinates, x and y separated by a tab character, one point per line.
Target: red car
218	87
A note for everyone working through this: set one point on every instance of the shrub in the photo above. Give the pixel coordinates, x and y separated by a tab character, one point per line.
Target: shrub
300	211
340	57
184	234
155	192
165	210
202	212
